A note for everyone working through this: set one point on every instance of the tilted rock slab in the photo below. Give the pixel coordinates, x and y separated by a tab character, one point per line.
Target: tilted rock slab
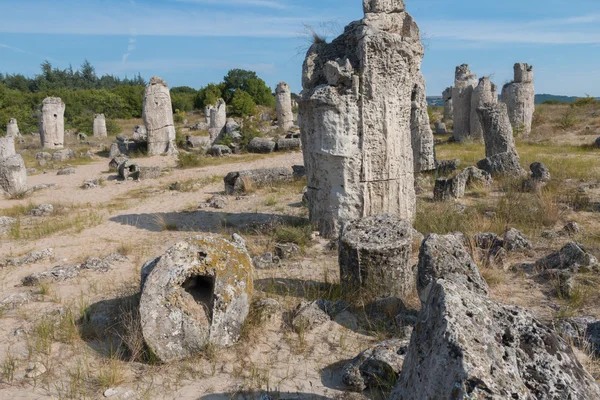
420	129
374	254
197	293
158	118
486	92
466	346
355	113
283	105
464	83
448	104
12	128
52	123
100	126
519	96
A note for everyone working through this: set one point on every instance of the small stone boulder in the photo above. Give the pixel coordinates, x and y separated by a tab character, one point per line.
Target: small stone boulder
66	171
43	210
440	128
63	155
311	314
266	261
573	256
261	145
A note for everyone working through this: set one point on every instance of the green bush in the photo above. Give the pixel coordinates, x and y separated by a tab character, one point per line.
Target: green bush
585	101
179	116
242	104
249	82
208	96
553	102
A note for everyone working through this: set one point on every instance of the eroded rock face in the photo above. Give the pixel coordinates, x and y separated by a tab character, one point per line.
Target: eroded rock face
448	104
355	113
519	96
100	126
13	174
374	254
12	128
198	292
52	123
447	189
283	97
218	119
466	346
244	181
486	92
420	128
464	83
158	118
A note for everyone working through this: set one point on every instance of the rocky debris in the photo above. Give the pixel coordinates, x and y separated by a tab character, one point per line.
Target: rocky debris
6	221
540	174
581	331
198	292
52	123
63	155
113	165
447	189
65	272
378	366
13	174
90	184
218	150
158	118
243	181
100	126
231	126
218	202
266	261
82	137
420	128
140	134
285	251
519	96
43	186
266	308
283	105
200	126
484	93
12	128
440	128
465	345
16	300
446	167
43	210
261	145
311	314
35	369
288	145
516	241
31	258
462	92
448	104
374	254
42	155
573	256
197	142
66	171
355	119
502	164
571	228
114	150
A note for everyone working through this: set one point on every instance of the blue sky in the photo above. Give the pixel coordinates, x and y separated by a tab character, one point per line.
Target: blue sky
194	42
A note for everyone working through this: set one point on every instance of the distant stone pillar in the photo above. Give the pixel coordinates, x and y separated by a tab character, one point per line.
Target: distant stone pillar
158	118
100	126
13	174
519	97
485	93
420	128
12	128
52	123
7	147
207	114
448	104
464	83
374	255
283	97
218	120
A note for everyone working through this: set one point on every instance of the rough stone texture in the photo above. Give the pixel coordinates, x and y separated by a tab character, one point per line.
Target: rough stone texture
451	189
283	105
235	182
219	150
43	210
100	126
519	97
31	258
448	104
446	167
286	251
261	145
354	114
13	174
377	366
310	314
218	120
113	165
140	133
374	254
52	123
197	142
466	346
7	147
572	256
440	128
231	126
497	131
266	261
464	83
516	241
197	293
540	175
582	331
158	118
12	128
486	92
114	150
63	155
502	164
420	128
288	145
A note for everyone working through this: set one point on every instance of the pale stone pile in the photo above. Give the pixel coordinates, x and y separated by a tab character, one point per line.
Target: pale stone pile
13	174
283	97
519	96
420	128
464	84
100	126
158	118
52	123
355	114
12	128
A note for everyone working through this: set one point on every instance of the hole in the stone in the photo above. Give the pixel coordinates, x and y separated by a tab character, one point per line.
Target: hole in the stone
55	115
202	255
202	289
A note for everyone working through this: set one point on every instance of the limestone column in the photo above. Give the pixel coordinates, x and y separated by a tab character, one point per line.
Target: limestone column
100	126
519	97
420	127
158	118
485	93
448	105
13	174
283	97
12	128
464	84
52	123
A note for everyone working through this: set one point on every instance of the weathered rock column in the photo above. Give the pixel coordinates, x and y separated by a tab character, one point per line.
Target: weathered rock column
519	97
12	128
13	174
420	129
485	93
207	114
448	104
374	255
283	97
158	118
464	83
100	126
355	111
218	120
52	123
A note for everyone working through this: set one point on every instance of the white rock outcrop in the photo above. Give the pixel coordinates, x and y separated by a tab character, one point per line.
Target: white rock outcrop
158	118
52	123
355	113
218	120
12	128
13	174
420	128
100	126
283	97
485	92
464	83
519	97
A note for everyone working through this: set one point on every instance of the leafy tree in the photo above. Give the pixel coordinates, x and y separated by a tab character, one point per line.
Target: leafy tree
249	82
209	95
242	104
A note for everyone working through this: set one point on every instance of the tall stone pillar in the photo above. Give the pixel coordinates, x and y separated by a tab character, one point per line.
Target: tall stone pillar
100	126
52	123
218	120
283	97
12	128
486	92
464	83
448	105
519	97
420	128
158	118
13	174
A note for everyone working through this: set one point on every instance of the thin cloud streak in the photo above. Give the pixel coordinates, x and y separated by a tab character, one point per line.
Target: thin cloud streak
248	3
167	65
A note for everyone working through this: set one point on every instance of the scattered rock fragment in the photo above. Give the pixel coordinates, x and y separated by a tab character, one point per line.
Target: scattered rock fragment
573	256
43	210
266	261
66	171
245	181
